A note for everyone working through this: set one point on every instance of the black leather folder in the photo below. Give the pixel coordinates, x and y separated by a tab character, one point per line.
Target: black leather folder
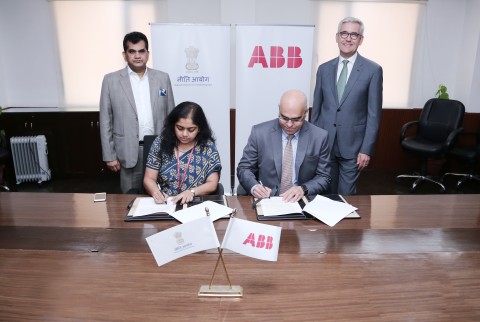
298	216
165	216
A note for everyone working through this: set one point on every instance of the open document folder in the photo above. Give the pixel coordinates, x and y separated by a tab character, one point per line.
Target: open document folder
145	208
325	208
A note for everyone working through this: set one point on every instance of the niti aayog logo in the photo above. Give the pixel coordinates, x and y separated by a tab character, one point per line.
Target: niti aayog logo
260	242
182	246
178	237
277	57
191	53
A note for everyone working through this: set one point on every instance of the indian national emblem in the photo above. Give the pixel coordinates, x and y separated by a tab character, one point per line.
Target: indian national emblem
192	54
178	236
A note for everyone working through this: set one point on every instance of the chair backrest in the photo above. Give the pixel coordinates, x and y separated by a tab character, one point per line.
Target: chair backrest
439	118
147	144
241	190
478	143
220	191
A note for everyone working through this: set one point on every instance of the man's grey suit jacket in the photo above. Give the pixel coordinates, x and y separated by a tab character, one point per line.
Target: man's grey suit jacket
118	114
355	120
262	158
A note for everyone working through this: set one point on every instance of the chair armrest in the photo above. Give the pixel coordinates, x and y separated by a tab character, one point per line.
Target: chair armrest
452	137
405	127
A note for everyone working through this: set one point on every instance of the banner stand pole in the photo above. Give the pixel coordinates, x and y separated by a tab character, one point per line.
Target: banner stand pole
220	290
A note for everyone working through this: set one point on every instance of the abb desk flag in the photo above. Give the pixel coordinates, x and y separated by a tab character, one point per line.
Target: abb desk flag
183	240
252	239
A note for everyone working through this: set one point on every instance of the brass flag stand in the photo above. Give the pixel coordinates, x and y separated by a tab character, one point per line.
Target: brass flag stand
220	290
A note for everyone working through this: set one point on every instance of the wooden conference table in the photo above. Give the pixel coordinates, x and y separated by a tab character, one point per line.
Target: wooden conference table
409	258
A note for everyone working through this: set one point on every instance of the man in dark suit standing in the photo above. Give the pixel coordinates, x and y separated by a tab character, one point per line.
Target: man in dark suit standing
263	170
134	102
347	103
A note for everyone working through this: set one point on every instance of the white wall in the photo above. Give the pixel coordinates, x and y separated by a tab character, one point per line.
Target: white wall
472	84
29	68
447	51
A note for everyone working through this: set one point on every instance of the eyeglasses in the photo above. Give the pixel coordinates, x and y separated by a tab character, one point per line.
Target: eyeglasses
141	51
293	119
353	35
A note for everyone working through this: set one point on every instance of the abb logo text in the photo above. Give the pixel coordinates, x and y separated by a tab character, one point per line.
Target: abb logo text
277	57
260	242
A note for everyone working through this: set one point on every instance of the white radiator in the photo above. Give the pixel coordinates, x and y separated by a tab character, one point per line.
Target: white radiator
30	158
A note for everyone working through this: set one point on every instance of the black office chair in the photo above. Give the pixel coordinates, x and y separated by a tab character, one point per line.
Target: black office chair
437	130
469	154
147	144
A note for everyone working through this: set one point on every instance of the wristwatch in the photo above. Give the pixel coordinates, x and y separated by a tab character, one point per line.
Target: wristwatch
305	189
192	191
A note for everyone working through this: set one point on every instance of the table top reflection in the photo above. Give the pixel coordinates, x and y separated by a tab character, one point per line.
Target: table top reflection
409	257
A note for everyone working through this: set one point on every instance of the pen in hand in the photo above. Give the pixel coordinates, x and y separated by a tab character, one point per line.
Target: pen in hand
162	195
260	196
266	191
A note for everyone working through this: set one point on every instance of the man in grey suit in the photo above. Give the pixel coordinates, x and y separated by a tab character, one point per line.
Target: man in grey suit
352	119
134	102
260	168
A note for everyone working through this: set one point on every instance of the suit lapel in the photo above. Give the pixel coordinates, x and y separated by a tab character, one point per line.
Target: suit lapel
276	136
154	87
355	73
302	145
333	76
127	88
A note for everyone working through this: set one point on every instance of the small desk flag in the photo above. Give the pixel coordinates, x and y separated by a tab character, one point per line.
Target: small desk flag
182	240
252	239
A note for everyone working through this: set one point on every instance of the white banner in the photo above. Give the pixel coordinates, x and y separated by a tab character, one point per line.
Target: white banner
197	58
269	61
252	239
183	240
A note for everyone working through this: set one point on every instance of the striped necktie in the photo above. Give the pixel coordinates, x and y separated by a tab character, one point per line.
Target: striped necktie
287	164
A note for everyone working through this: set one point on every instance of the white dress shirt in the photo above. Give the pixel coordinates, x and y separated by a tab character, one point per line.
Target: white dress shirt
141	94
351	61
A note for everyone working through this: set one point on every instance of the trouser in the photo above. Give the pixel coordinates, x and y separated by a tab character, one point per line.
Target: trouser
131	179
344	173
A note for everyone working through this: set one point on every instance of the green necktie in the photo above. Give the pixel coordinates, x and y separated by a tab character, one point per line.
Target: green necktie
342	80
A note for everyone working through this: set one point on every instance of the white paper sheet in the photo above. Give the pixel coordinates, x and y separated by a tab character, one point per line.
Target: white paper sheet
198	211
147	206
275	206
328	211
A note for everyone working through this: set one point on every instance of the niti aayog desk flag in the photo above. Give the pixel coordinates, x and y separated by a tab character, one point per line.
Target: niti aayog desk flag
183	240
252	239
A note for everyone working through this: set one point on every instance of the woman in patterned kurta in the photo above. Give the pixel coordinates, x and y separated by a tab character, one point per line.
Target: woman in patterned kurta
183	161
